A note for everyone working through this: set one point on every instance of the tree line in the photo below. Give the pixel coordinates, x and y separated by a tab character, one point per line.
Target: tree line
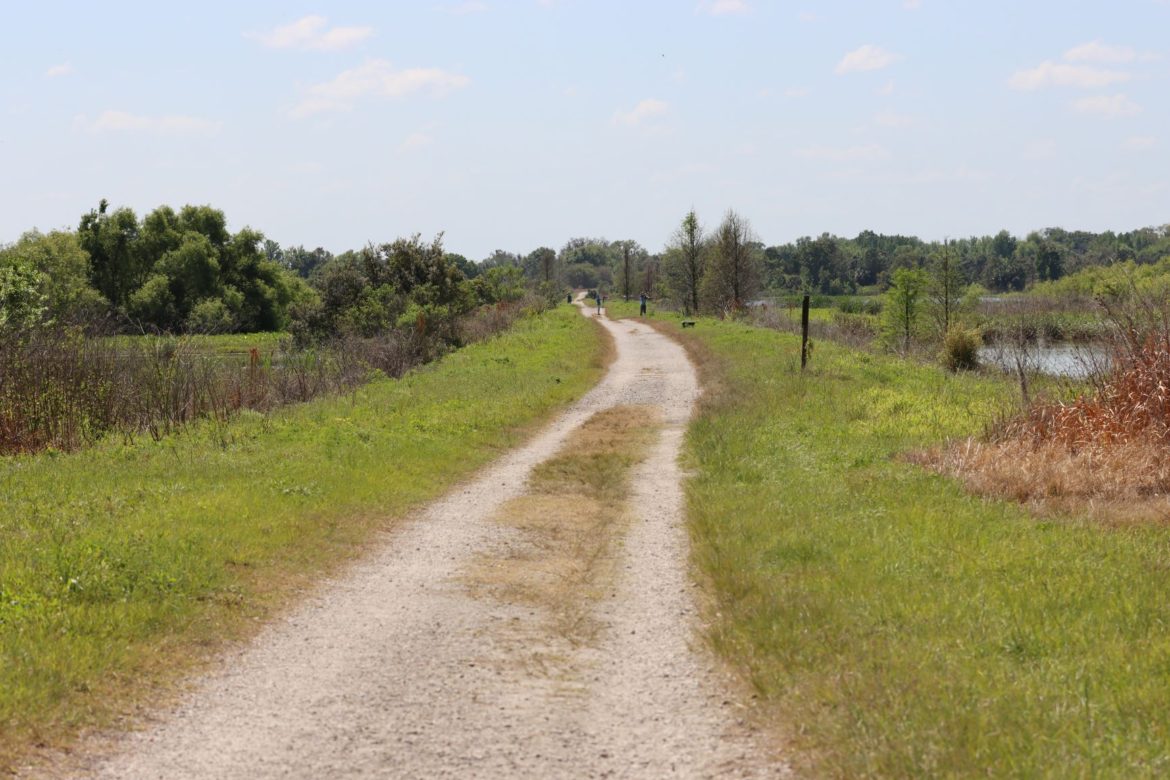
179	271
184	271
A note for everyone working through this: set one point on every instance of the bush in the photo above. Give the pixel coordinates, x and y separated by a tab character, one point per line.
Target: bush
961	349
210	315
855	304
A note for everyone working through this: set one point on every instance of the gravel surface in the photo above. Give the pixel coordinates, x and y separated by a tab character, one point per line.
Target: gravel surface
398	670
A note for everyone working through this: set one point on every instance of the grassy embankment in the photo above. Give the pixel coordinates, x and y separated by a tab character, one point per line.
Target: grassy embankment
897	625
123	566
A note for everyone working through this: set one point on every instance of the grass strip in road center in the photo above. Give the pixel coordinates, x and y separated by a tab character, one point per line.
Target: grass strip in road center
897	626
569	521
122	566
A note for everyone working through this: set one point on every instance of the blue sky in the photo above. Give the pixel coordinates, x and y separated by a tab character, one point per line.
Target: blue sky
515	124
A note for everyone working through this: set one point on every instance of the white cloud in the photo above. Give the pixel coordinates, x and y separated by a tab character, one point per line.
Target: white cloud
911	5
807	17
171	124
722	7
1140	143
1111	106
796	92
887	89
311	33
1095	51
64	69
376	78
866	153
645	110
867	58
1058	74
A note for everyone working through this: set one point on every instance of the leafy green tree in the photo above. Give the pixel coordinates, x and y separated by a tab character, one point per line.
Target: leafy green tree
62	269
541	264
21	303
903	306
301	261
116	269
824	265
596	252
469	268
499	284
1049	262
160	272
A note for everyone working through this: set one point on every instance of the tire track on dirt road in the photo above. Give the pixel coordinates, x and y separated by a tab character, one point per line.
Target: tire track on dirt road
396	669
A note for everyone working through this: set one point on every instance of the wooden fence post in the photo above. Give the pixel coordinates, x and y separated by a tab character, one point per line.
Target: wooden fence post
804	333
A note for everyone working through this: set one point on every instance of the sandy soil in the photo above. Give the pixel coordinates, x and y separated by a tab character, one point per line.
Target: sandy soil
399	669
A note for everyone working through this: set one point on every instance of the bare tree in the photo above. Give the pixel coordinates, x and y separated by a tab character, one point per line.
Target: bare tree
685	262
734	268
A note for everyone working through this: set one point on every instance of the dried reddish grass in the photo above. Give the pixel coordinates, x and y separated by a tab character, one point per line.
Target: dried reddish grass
1131	405
1104	455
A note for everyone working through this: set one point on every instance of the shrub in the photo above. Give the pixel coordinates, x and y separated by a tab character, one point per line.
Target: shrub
961	349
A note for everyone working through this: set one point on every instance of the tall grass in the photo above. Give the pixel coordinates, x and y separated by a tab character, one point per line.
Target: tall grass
60	389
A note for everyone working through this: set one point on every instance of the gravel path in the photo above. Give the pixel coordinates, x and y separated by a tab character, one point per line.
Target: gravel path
398	670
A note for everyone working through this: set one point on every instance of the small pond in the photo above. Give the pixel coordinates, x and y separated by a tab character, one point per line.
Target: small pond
1076	361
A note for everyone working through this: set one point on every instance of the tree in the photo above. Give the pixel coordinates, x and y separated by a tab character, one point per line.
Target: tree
903	304
116	270
1049	262
597	252
541	264
469	268
171	265
824	265
21	302
301	261
62	274
499	258
734	267
685	263
945	290
630	256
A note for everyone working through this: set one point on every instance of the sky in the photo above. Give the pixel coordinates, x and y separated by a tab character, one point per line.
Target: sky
512	124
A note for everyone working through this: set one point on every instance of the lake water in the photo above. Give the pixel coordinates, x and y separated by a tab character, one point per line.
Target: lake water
1072	360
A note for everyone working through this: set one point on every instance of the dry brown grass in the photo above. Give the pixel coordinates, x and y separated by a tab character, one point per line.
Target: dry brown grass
569	524
1102	455
1119	484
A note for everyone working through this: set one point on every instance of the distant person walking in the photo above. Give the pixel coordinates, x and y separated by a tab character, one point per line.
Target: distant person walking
642	301
598	302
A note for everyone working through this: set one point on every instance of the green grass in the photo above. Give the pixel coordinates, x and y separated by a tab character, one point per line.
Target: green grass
894	625
121	566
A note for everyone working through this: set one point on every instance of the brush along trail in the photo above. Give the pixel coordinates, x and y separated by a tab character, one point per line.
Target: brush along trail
536	622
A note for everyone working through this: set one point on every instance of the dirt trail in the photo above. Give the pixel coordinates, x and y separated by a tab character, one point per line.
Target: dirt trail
400	670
